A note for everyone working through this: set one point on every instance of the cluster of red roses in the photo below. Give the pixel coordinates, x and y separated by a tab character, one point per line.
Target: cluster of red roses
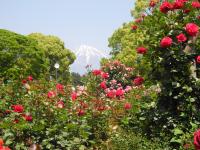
178	4
80	107
28	79
191	29
2	147
53	93
20	110
112	86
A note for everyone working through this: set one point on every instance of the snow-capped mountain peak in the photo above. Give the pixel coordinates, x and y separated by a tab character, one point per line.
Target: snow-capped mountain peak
87	55
88	52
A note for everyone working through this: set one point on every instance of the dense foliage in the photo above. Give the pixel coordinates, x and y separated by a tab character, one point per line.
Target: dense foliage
55	52
20	56
53	116
35	54
169	49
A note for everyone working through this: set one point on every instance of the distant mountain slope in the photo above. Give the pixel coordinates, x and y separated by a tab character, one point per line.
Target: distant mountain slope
87	55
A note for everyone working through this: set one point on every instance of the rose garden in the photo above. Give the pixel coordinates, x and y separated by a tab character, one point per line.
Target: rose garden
146	96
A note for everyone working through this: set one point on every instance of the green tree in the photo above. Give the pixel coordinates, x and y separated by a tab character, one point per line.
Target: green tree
123	44
140	7
20	56
125	40
76	79
172	67
55	51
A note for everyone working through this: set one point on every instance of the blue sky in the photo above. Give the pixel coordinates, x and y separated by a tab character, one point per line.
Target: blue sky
76	22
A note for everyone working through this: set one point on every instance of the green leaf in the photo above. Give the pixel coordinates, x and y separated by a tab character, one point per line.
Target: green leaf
142	118
82	147
177	131
174	140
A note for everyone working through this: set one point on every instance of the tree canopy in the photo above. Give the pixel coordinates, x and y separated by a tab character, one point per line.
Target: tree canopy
55	51
20	56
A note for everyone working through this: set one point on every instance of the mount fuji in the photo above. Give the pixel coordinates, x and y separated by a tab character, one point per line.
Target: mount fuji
87	55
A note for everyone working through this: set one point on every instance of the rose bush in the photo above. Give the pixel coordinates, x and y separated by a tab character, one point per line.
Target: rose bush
45	114
172	62
173	50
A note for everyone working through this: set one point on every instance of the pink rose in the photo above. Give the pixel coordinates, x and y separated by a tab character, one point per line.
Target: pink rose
51	94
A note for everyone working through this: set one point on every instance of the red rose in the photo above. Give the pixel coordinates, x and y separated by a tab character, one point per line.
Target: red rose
181	37
134	27
182	1
24	81
141	50
30	78
4	148
139	20
28	118
138	81
18	108
186	11
198	17
74	96
104	75
198	59
81	112
127	106
83	105
197	140
1	142
178	5
152	3
166	42
59	87
119	92
101	108
96	72
16	121
51	94
195	4
103	85
165	7
192	29
111	94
